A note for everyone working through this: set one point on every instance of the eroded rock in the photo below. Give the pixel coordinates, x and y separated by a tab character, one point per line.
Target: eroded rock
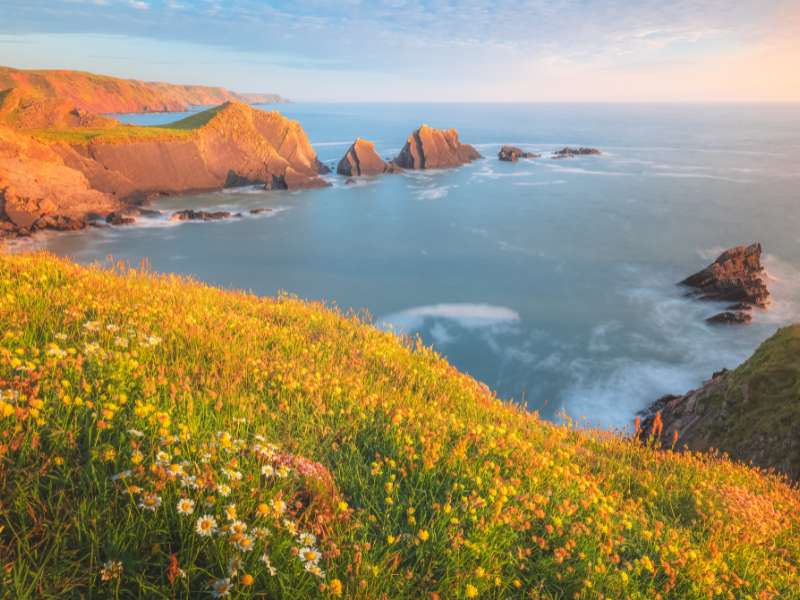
513	154
361	159
569	152
429	148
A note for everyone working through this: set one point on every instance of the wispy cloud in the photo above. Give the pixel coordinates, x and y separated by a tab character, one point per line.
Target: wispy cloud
421	40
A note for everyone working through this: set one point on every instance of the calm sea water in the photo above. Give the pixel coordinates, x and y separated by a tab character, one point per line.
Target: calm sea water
551	281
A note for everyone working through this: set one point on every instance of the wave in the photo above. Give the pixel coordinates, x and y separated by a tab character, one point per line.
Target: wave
580	171
468	316
434	193
700	176
539	183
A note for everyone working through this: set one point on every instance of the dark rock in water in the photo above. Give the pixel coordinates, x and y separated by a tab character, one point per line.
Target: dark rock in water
513	154
200	215
736	276
118	218
429	148
258	211
730	318
361	159
739	306
570	152
350	181
59	223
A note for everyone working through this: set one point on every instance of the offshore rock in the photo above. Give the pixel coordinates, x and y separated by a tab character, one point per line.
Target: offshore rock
429	148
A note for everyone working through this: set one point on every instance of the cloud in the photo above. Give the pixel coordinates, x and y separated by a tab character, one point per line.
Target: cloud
523	49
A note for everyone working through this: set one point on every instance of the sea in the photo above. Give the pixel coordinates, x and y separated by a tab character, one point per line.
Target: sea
552	281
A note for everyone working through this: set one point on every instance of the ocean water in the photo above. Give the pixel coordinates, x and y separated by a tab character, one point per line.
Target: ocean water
551	281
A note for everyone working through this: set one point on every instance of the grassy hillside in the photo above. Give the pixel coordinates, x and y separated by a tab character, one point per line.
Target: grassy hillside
752	412
164	439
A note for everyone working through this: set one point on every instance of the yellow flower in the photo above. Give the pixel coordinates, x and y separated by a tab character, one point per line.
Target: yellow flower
336	588
471	591
423	535
247	580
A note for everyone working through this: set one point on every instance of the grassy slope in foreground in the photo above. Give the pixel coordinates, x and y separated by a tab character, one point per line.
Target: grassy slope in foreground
125	393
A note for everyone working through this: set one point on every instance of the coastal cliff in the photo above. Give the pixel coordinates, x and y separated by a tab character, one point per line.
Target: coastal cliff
429	148
752	413
103	94
65	173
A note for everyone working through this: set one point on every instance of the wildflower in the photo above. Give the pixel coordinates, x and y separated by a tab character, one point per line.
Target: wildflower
335	587
185	506
307	539
237	527
265	559
423	535
224	490
471	591
150	502
315	570
230	512
309	555
136	457
244	543
116	477
262	510
268	471
206	525
290	526
233	475
175	470
162	458
247	580
111	569
278	507
221	588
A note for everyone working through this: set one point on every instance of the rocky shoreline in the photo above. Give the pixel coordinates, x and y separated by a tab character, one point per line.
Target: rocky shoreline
750	413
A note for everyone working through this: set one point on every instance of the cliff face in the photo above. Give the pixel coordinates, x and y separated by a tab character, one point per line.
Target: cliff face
752	412
429	148
77	172
102	94
39	191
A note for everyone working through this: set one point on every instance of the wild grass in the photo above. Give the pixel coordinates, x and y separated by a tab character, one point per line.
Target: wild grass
121	134
335	460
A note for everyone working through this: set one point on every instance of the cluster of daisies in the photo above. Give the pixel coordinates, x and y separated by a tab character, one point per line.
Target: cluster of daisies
207	493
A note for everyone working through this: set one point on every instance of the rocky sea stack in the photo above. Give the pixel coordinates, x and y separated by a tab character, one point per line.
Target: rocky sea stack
513	154
362	159
752	412
737	276
571	152
429	148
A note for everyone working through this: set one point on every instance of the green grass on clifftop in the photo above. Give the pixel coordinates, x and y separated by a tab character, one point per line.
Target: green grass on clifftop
164	439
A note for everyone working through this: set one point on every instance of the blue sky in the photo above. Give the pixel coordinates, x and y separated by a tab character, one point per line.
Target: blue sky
478	50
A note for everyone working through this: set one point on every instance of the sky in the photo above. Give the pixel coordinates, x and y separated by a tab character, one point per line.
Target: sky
425	50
